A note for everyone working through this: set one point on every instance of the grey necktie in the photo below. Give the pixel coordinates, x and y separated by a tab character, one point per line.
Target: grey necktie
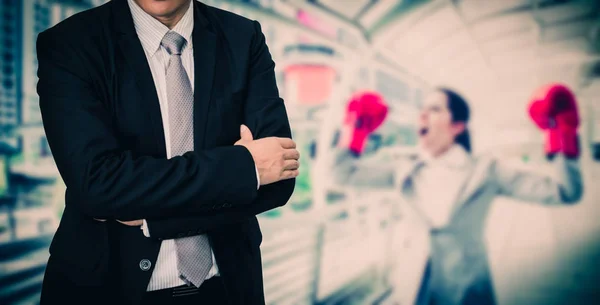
193	253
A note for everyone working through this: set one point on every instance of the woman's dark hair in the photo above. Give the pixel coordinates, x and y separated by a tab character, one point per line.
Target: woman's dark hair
459	109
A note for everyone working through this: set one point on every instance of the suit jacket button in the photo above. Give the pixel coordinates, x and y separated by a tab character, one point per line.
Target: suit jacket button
145	265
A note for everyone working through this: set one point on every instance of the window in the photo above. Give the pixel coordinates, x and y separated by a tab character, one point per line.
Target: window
8	70
8	84
8	57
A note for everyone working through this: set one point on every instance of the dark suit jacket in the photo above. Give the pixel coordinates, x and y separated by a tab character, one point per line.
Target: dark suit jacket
103	123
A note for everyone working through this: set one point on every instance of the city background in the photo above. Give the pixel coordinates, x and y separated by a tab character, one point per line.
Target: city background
333	244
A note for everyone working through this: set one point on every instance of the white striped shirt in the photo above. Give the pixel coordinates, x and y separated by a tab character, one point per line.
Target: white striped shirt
150	32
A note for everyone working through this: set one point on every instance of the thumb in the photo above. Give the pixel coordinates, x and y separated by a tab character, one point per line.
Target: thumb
245	133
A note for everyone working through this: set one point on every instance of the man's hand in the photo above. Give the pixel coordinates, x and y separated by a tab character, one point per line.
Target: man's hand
275	158
132	223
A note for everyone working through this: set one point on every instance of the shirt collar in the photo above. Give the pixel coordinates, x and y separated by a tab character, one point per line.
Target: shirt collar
151	31
455	157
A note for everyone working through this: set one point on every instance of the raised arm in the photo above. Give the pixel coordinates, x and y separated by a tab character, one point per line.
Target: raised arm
349	169
554	110
563	186
364	114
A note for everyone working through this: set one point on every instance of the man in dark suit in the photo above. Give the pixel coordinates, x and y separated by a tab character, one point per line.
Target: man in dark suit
142	102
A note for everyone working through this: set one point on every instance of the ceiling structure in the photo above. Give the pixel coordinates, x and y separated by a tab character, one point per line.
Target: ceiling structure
537	40
496	51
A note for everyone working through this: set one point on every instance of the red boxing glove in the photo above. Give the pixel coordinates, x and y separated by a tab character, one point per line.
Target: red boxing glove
554	109
364	114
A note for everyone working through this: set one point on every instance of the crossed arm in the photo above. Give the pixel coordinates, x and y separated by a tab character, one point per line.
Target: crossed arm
178	194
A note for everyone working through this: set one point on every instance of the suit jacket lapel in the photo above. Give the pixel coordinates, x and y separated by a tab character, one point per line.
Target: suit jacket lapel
404	175
134	56
205	44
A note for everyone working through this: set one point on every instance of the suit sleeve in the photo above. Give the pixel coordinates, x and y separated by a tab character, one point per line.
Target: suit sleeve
266	116
348	170
106	181
563	186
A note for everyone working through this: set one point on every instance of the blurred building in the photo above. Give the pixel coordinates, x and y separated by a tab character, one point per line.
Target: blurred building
11	70
30	206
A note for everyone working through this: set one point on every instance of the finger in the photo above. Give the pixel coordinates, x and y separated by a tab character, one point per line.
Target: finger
245	133
132	223
101	220
287	143
289	174
291	154
290	165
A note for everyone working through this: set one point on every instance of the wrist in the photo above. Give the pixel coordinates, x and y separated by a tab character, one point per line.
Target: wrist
564	141
570	145
145	228
358	141
256	172
257	177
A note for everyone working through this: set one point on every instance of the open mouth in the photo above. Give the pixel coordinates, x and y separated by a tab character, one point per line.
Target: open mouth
423	131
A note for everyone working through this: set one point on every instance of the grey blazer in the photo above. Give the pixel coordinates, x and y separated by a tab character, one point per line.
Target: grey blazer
458	265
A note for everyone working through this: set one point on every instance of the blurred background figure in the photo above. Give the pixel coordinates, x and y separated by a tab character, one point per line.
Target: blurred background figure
451	191
338	244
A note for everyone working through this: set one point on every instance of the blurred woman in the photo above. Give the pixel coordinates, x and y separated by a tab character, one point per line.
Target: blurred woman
452	191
